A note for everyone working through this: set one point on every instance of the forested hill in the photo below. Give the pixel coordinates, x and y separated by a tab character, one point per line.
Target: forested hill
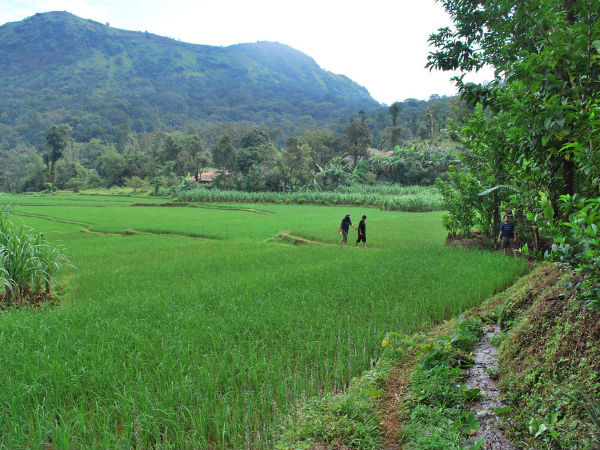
57	67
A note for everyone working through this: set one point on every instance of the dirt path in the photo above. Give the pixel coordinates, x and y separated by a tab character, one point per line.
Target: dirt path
485	358
297	240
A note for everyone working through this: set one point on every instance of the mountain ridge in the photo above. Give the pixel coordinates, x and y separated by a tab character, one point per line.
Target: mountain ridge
60	67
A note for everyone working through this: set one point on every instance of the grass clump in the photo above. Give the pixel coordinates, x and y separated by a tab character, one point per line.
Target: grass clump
343	420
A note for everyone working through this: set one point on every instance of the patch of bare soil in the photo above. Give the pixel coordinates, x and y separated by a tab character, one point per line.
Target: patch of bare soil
297	240
479	377
33	300
395	395
475	239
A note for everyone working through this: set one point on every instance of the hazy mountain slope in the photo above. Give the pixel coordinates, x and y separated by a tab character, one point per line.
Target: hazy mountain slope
58	67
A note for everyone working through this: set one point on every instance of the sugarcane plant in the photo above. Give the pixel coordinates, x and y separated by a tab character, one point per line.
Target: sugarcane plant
28	263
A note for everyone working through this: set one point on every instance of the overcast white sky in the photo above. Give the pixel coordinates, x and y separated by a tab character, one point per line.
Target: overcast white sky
380	44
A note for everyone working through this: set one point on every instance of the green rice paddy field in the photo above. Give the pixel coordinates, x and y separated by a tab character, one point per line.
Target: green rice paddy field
193	327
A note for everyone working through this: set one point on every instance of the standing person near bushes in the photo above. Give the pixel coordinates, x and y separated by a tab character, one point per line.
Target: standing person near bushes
344	227
508	235
362	232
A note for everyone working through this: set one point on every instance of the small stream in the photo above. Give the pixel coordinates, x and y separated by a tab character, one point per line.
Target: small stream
478	377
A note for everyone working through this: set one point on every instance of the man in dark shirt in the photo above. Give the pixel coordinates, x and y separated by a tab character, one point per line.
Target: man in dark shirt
344	227
362	232
508	234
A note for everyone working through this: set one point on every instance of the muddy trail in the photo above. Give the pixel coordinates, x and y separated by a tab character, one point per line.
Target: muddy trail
479	377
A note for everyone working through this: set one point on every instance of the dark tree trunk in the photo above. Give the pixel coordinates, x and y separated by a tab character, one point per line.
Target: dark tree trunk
496	216
432	123
569	176
53	174
536	238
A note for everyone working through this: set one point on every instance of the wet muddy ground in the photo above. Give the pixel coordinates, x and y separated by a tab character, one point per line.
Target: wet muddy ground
479	377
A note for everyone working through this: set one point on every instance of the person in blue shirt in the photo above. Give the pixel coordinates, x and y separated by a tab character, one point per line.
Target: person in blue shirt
344	227
508	235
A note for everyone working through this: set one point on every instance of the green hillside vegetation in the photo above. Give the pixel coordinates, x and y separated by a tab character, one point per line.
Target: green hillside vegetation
245	157
61	68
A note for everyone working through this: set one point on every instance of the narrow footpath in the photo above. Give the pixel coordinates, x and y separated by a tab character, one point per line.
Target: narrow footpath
479	377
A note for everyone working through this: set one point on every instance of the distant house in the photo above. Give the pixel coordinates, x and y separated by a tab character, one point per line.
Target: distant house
374	152
348	159
209	177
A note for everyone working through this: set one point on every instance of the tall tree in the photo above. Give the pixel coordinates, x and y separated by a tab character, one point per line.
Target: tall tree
357	139
160	175
545	53
363	115
224	157
112	166
57	139
255	138
256	151
323	146
394	111
193	156
296	162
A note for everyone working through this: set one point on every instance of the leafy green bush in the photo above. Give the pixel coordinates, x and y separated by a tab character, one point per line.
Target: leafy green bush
460	199
411	165
577	240
466	334
592	407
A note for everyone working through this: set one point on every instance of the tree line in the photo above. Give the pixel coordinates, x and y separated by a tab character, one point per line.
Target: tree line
412	142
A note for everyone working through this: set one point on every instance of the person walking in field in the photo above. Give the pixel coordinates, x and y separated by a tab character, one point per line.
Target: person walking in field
508	235
362	232
344	227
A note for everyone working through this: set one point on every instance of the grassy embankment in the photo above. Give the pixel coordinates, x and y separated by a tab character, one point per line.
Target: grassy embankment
197	334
